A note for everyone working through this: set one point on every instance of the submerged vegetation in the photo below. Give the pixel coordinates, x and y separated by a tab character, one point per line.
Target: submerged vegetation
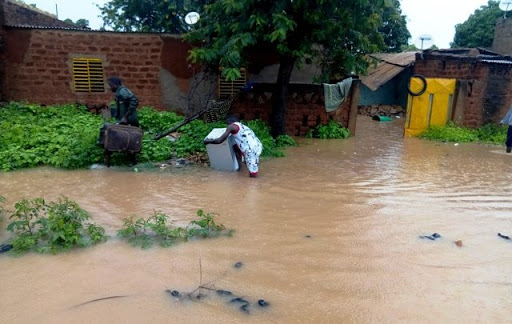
490	133
157	229
330	131
63	225
65	136
52	227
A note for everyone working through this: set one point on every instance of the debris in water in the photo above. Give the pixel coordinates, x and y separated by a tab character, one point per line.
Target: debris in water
504	236
432	237
5	248
458	243
224	292
307	236
239	300
238	265
263	303
173	293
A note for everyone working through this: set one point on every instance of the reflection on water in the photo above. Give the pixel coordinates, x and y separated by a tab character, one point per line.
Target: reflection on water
327	234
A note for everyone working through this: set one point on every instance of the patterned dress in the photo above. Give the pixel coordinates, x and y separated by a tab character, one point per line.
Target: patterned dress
249	145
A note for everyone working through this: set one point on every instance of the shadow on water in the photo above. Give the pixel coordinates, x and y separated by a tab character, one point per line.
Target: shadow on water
329	233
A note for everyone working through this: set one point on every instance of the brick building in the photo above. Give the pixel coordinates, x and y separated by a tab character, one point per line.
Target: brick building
47	61
484	79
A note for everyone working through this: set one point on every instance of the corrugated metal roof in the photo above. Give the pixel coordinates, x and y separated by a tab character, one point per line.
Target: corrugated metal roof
391	65
47	27
498	62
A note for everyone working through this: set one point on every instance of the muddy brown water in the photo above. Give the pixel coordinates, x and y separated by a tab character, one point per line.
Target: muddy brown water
363	202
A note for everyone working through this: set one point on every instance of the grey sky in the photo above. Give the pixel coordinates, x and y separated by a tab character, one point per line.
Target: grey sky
434	17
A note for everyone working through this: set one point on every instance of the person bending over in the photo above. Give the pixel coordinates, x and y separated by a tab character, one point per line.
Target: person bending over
247	144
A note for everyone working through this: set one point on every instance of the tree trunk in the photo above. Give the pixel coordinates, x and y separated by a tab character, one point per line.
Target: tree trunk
280	96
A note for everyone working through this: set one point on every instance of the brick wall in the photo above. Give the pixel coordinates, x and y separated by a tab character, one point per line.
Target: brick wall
305	107
39	64
486	99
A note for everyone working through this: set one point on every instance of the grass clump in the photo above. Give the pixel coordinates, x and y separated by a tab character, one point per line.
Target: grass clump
331	130
52	227
158	229
490	133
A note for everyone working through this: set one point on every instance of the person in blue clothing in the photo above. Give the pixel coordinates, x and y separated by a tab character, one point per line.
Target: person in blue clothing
507	120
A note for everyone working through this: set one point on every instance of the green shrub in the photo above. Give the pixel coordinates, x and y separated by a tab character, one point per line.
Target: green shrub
490	133
66	136
330	131
156	229
285	141
53	227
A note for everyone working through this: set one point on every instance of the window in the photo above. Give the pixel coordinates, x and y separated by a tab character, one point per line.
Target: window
88	75
228	88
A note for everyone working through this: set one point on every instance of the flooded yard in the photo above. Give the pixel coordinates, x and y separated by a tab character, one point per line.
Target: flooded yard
328	234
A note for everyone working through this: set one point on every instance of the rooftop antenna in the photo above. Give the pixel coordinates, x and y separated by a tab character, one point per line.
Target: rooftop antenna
505	5
425	41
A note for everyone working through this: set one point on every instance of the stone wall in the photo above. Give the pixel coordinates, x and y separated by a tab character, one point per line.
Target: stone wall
305	107
382	110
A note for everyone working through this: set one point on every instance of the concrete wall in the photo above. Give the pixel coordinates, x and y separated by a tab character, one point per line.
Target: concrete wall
488	96
503	36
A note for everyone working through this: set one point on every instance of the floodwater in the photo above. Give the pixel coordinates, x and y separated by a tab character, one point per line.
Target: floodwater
328	234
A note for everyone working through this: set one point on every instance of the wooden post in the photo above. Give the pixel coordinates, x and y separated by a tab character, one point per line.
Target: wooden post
354	103
460	102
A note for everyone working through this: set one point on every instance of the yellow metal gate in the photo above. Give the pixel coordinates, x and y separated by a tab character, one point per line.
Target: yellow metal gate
432	108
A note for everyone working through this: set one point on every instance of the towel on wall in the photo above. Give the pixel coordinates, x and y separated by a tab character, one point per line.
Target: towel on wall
335	94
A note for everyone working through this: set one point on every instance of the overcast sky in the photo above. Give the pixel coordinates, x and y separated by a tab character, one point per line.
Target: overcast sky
432	17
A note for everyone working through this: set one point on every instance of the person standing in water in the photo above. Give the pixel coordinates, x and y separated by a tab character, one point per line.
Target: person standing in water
247	145
507	120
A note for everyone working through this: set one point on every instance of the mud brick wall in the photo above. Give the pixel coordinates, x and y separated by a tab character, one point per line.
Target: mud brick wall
38	67
305	107
477	73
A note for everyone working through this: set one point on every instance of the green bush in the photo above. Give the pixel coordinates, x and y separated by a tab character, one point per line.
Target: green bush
54	227
330	131
156	229
66	136
490	133
62	136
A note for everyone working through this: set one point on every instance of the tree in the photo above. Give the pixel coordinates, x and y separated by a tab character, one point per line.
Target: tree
149	15
394	28
478	30
82	23
337	35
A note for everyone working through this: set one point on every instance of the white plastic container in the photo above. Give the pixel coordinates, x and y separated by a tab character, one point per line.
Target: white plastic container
222	156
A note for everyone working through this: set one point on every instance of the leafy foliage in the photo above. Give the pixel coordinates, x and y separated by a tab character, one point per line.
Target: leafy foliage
53	227
62	136
156	229
65	136
394	28
330	131
337	36
285	140
478	29
489	133
149	15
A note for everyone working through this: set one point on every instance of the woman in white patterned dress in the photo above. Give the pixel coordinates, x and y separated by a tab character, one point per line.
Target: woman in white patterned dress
247	144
